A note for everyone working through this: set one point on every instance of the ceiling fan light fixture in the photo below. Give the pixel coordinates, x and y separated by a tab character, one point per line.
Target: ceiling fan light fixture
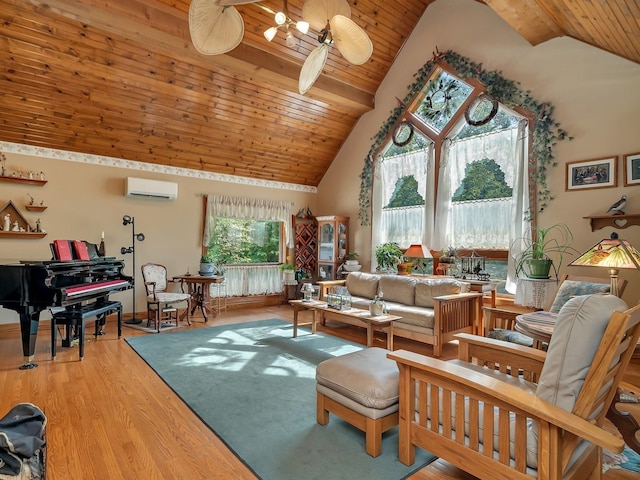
280	18
290	40
270	33
302	26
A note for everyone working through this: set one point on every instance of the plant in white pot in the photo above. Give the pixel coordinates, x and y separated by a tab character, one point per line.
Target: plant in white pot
388	256
544	249
207	266
352	264
288	272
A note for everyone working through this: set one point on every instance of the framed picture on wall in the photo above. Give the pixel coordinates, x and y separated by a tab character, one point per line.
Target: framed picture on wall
597	173
632	169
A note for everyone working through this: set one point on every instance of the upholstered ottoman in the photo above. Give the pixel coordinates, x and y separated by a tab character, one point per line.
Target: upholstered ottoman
362	389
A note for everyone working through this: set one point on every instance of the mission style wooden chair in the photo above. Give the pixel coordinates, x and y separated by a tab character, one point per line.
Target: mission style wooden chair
506	411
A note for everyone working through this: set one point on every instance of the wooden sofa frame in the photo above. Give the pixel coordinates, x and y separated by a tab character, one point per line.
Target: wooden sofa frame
453	314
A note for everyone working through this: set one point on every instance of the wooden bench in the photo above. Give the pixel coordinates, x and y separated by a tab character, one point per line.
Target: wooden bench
77	316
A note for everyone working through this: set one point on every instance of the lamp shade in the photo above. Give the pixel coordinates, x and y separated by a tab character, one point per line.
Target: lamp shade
418	251
610	253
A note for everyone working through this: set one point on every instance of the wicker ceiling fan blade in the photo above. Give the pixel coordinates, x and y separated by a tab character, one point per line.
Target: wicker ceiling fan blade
226	3
214	29
352	41
312	67
319	12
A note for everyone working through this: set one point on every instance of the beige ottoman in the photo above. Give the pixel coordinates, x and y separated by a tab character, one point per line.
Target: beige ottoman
362	389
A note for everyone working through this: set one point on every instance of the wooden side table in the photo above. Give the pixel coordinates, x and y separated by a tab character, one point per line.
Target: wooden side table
299	305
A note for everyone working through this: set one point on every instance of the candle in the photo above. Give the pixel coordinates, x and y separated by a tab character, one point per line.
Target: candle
102	237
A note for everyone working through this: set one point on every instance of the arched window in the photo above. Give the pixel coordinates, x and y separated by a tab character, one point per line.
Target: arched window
466	154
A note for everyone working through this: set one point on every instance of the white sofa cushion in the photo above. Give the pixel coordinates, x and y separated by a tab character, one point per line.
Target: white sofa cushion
428	288
361	284
398	289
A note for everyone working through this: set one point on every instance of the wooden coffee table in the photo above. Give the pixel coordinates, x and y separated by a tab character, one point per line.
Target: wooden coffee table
353	316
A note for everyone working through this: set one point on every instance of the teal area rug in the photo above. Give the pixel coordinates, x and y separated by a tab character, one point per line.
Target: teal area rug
254	386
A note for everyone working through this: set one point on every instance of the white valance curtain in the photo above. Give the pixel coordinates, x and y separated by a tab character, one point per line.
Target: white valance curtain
223	206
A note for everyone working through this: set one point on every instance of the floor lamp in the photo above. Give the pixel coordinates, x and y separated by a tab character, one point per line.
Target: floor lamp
127	220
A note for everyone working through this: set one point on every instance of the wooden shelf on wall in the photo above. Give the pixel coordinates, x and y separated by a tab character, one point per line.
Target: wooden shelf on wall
22	234
26	181
615	221
36	208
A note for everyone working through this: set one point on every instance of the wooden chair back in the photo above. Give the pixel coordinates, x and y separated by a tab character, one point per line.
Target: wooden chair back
460	438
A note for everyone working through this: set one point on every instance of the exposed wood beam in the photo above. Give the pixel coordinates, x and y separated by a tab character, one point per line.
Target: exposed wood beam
527	18
245	59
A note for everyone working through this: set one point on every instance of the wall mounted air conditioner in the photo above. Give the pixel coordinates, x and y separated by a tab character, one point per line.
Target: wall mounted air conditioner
142	187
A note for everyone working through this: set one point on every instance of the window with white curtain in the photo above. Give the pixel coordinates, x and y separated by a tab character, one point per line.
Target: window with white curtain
247	236
472	175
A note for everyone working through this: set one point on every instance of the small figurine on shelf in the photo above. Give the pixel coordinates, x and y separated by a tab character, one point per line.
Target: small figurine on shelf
41	175
38	226
3	164
30	175
7	222
16	227
32	200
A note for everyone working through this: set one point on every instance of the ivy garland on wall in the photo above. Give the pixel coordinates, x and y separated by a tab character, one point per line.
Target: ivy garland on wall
546	133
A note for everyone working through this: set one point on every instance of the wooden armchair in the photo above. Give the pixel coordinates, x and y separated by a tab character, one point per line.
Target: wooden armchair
505	411
501	319
162	306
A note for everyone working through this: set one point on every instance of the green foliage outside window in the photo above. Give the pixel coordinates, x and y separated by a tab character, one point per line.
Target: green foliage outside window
245	241
483	179
406	193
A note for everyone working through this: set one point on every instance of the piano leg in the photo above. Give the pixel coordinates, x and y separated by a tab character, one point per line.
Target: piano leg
29	329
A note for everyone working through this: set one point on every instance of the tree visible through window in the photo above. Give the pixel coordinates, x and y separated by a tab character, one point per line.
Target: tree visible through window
241	241
483	179
406	193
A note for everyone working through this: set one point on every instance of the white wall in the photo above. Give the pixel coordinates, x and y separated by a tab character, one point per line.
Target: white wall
596	99
84	200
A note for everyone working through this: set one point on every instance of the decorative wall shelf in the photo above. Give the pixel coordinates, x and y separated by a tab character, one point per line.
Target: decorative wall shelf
26	181
22	234
615	221
36	208
15	216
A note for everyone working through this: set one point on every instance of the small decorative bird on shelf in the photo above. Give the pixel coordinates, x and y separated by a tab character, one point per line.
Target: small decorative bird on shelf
618	207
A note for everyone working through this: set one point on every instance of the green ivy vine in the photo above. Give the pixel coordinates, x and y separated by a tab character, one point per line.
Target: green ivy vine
546	132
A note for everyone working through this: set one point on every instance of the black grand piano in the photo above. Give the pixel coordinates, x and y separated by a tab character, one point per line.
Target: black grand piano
29	287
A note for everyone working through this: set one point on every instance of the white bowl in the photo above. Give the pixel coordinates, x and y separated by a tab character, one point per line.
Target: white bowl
352	268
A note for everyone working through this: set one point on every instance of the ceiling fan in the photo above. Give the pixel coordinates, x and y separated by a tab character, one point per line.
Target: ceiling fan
217	27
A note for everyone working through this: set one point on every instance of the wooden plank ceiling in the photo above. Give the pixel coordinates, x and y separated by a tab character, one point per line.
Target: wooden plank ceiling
121	78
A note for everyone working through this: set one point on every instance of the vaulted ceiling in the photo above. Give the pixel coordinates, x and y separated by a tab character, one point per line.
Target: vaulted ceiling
121	78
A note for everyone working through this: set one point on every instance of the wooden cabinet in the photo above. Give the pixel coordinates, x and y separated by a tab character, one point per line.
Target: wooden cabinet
333	245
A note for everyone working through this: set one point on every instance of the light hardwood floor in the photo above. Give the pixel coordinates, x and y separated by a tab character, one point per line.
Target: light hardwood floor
111	417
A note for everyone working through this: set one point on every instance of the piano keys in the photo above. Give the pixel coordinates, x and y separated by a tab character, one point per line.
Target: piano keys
29	287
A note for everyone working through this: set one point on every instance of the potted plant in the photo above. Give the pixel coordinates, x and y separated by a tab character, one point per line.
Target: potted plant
352	258
388	256
288	272
207	267
544	249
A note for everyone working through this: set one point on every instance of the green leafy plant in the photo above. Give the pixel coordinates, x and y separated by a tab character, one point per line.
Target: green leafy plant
287	267
550	243
352	256
209	257
388	255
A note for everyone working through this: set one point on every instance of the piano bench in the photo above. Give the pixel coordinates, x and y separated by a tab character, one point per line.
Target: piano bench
77	316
